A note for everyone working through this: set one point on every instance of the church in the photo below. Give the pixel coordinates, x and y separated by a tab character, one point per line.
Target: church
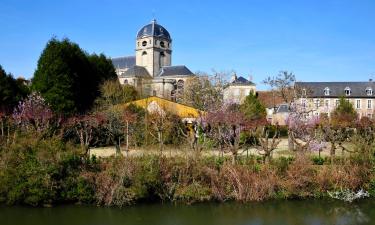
150	71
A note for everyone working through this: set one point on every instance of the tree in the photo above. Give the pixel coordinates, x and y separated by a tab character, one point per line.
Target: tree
344	115
11	91
266	147
200	93
113	93
252	107
83	127
283	85
226	127
68	78
33	114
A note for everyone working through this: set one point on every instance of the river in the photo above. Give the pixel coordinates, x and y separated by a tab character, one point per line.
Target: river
311	212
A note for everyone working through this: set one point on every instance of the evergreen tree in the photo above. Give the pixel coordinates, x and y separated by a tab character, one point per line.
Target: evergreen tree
11	91
68	78
253	108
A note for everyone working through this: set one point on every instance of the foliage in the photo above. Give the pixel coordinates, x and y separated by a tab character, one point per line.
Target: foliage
201	93
11	91
68	78
113	93
344	115
33	113
253	108
37	172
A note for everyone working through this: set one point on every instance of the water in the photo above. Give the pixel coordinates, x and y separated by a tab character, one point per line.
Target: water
311	212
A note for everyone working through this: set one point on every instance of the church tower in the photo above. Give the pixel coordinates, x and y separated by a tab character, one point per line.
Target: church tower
153	48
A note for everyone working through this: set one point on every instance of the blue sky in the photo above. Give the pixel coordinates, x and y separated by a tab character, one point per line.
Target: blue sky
327	40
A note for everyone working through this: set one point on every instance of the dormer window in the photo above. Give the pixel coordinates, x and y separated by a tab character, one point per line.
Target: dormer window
368	91
326	91
348	91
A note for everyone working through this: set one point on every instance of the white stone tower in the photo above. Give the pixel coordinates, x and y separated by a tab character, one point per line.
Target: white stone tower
153	48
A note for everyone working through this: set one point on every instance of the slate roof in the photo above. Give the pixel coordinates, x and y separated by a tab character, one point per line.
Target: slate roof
337	89
283	108
123	62
241	81
175	71
136	71
154	30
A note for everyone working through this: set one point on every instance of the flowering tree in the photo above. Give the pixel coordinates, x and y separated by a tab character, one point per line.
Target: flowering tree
227	125
303	131
84	127
33	114
267	144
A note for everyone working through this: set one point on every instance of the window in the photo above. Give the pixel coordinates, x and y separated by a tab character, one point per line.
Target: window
358	104
162	54
303	103
304	92
316	103
144	53
369	91
369	104
154	93
369	115
125	81
144	43
337	102
347	91
326	91
162	44
326	103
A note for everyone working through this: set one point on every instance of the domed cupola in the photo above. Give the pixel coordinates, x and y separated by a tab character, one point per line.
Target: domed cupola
154	30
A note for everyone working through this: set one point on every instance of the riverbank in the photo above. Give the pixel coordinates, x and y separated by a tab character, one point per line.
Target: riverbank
48	172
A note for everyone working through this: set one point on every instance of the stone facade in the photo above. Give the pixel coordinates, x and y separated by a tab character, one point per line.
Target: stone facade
151	70
237	90
323	97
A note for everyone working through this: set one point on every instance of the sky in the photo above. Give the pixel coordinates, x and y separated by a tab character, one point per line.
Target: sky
317	40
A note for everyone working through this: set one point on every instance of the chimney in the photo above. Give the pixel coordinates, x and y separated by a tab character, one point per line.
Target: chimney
233	78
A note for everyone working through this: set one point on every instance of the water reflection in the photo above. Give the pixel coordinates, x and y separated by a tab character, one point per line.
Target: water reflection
309	212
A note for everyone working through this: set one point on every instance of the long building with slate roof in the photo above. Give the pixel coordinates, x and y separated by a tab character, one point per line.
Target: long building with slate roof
150	71
323	97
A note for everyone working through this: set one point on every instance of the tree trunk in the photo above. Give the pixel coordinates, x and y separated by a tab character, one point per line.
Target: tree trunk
290	143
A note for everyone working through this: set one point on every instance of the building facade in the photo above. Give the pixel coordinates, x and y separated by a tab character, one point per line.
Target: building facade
150	71
237	90
323	97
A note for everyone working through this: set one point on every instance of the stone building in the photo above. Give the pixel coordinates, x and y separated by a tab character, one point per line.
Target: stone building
150	71
237	89
323	97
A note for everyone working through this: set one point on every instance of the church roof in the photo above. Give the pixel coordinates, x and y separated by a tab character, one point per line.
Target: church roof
123	62
175	71
136	71
154	30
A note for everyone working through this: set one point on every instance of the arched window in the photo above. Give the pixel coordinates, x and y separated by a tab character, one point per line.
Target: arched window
369	91
144	53
162	44
144	43
125	81
348	91
326	91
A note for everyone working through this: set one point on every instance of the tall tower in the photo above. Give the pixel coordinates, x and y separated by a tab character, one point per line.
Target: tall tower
153	48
